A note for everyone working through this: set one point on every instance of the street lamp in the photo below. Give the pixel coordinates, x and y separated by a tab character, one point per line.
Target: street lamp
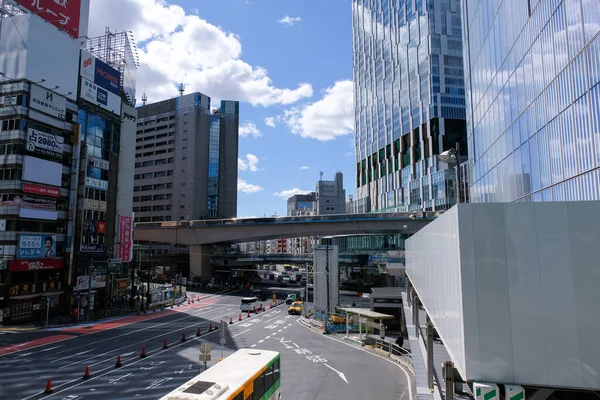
454	155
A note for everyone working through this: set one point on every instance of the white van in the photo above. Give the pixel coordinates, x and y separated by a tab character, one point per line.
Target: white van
250	303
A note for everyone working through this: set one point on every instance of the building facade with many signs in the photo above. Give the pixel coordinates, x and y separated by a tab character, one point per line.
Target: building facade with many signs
65	194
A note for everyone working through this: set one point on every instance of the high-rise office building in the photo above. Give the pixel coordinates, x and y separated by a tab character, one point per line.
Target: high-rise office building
409	102
186	160
533	120
301	204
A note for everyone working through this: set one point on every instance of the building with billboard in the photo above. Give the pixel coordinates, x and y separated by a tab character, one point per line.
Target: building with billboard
61	130
409	103
185	162
533	120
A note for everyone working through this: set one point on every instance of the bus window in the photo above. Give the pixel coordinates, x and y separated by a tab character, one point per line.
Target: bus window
259	386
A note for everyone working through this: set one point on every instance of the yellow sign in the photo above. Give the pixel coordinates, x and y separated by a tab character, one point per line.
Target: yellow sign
25	288
274	297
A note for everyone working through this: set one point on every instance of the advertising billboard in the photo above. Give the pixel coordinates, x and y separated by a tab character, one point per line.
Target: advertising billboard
48	102
99	96
100	73
41	190
92	247
44	143
125	237
33	247
93	173
63	14
42	171
35	265
83	282
37	208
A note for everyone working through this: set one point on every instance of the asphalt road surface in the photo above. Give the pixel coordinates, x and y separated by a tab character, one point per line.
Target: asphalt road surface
314	366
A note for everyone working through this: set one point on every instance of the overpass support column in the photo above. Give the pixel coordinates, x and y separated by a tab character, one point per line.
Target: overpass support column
415	312
429	354
200	264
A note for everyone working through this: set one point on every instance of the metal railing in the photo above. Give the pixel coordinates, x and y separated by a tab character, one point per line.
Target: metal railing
394	351
396	216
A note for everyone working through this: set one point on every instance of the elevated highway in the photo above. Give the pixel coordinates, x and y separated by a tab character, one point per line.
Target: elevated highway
201	235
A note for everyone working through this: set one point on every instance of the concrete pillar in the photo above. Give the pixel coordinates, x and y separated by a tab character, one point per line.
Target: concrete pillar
200	264
429	354
415	310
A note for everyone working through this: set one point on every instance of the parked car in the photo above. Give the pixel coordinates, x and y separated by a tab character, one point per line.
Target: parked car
292	297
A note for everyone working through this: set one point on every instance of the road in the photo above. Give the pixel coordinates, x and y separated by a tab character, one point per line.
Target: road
314	366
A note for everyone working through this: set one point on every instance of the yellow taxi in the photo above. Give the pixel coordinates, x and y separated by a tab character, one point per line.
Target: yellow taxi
296	308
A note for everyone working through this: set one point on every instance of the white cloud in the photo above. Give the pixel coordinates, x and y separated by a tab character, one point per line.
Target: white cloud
289	21
246	187
304	167
249	163
249	129
327	118
174	45
291	192
349	154
270	121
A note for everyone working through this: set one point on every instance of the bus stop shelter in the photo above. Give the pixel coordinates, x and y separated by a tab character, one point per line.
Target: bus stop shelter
363	313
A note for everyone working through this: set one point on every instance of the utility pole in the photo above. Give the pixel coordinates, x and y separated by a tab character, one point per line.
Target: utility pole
89	296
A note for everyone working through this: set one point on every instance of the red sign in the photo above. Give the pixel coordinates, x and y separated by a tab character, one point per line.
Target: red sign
41	190
63	14
125	237
34	265
101	227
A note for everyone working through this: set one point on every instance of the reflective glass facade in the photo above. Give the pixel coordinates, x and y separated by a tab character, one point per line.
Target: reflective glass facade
533	119
213	166
409	102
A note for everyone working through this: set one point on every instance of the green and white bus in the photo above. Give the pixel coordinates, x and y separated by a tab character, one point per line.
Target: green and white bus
247	374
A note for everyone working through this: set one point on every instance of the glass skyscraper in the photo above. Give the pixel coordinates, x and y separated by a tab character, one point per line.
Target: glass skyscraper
533	120
409	102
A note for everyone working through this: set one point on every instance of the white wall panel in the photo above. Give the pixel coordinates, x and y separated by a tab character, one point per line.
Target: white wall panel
519	303
525	295
585	257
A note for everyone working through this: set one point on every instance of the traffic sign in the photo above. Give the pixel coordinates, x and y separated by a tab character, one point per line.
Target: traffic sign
205	348
205	357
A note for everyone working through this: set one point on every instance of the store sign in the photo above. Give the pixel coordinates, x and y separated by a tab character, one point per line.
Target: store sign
45	143
8	101
125	237
36	247
98	163
35	265
96	183
99	96
83	282
92	248
63	14
94	205
48	102
41	190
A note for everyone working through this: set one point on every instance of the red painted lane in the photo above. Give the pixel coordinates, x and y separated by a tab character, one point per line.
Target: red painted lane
13	348
99	327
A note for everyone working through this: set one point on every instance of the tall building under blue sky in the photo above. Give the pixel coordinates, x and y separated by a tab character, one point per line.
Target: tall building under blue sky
409	102
532	71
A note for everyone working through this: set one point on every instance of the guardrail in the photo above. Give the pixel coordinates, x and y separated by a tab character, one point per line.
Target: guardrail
393	351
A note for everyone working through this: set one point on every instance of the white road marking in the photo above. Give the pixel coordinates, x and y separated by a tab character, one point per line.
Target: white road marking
260	341
115	380
253	345
52	348
72	355
277	316
158	383
296	345
406	374
340	374
238	334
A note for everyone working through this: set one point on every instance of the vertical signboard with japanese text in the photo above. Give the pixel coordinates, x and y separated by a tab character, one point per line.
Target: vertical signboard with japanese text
63	14
125	237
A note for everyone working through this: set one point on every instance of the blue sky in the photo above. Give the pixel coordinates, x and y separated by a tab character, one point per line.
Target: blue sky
289	62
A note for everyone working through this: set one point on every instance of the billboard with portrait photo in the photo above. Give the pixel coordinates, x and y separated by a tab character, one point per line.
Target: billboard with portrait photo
32	247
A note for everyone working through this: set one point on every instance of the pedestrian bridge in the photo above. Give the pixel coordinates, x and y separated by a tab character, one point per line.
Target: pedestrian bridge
203	234
235	230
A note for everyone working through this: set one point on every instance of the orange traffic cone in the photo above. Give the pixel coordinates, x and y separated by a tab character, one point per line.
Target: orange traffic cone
240	317
230	320
86	375
256	311
143	354
198	332
198	298
248	314
183	339
118	364
48	386
271	305
165	344
210	329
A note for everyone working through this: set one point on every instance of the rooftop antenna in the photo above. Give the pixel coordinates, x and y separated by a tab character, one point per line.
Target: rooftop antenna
321	173
144	99
181	88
